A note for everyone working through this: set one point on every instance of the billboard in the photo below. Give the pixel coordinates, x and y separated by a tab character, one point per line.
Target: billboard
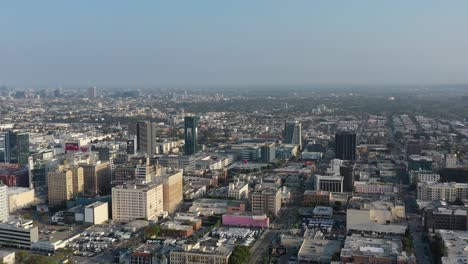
84	149
72	146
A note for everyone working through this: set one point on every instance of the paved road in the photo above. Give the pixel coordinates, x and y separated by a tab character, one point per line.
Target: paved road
260	249
422	249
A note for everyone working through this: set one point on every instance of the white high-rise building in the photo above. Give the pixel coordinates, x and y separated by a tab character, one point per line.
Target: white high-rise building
130	202
4	214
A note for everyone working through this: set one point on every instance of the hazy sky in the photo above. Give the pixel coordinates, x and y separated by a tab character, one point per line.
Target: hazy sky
225	42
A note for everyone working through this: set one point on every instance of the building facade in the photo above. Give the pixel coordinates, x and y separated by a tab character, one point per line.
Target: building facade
173	190
268	152
238	190
196	253
312	198
329	183
131	202
345	146
18	233
293	133
97	177
96	213
145	133
191	124
244	220
20	197
431	191
419	163
266	201
60	186
448	218
16	147
4	208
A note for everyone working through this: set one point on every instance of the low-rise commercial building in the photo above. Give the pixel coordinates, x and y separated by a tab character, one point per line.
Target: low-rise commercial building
449	218
312	198
246	220
196	253
375	187
96	213
18	233
316	249
384	217
176	229
205	206
20	197
419	163
456	243
358	249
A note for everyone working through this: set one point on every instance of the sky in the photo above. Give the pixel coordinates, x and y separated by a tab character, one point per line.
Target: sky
192	43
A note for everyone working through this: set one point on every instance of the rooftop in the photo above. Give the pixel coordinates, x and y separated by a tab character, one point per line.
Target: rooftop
356	245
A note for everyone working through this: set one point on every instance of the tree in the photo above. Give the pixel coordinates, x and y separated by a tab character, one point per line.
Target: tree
21	256
438	248
152	231
240	255
41	260
407	242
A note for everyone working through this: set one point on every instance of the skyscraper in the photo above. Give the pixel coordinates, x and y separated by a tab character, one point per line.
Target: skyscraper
92	91
345	145
268	152
293	133
191	134
16	147
348	177
145	133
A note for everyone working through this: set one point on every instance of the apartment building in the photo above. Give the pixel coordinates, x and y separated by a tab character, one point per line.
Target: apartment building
130	202
97	177
64	184
266	200
238	190
449	192
173	190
